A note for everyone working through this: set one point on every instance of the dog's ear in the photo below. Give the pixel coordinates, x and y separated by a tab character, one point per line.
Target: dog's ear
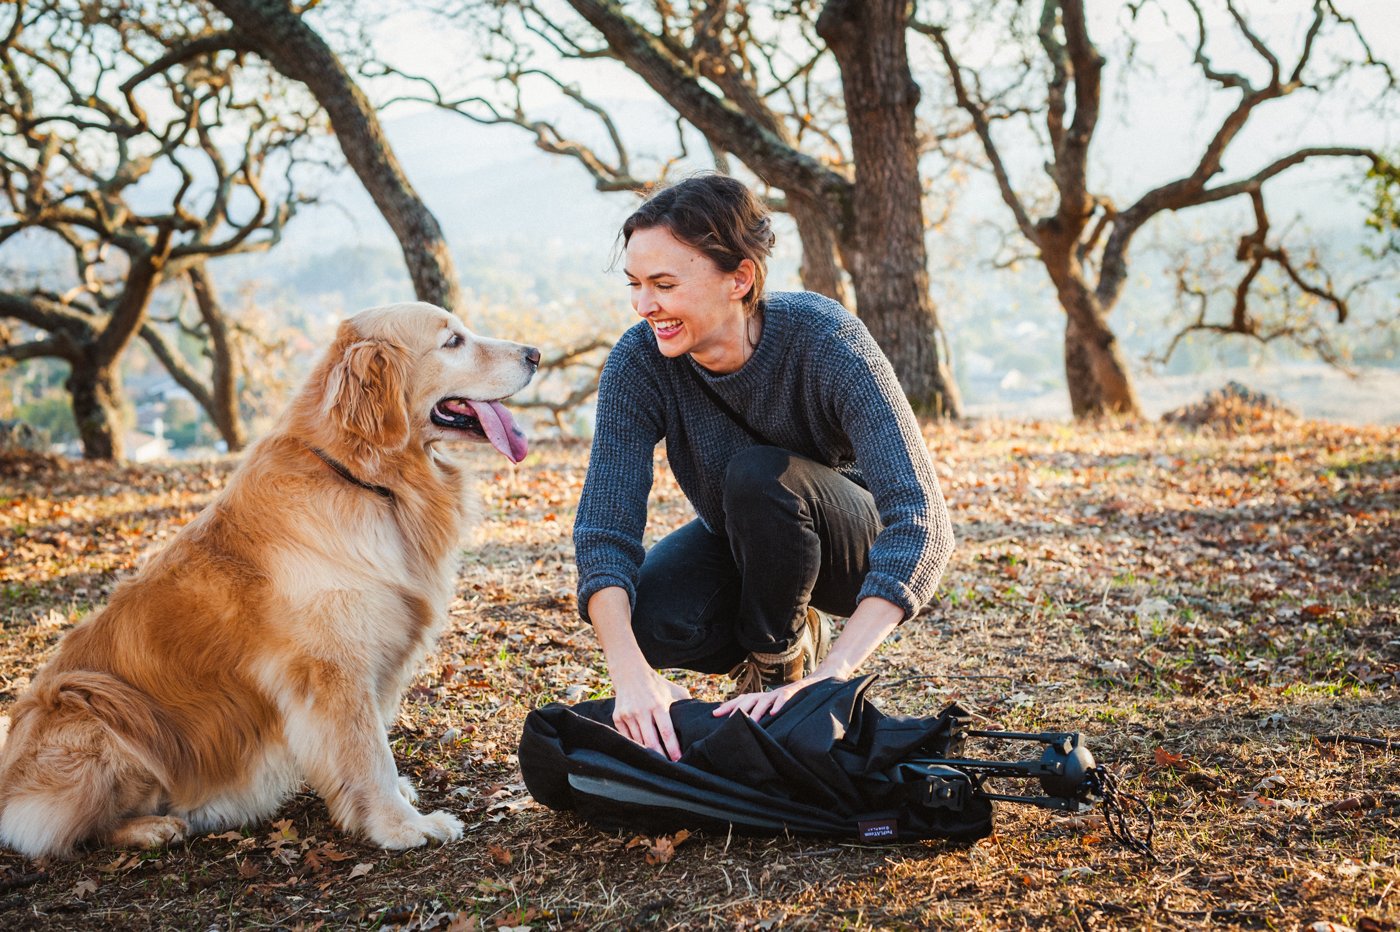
367	393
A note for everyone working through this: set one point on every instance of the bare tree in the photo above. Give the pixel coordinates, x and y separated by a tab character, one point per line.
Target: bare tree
1301	286
1083	238
221	339
762	100
768	73
281	35
85	162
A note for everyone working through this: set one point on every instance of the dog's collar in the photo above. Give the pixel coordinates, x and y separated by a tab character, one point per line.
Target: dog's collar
382	491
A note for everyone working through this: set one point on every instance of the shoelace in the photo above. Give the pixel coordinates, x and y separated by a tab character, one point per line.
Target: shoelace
748	676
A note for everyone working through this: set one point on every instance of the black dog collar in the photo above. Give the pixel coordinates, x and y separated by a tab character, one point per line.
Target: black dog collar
348	476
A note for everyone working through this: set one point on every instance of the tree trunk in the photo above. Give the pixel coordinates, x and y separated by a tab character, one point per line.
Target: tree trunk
97	400
294	48
1085	396
884	244
1114	386
227	363
1095	370
820	269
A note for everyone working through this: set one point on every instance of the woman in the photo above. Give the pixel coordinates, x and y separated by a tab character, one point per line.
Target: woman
787	431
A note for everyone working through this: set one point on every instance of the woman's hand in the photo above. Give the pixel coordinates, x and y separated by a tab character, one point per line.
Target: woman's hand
873	620
757	705
642	710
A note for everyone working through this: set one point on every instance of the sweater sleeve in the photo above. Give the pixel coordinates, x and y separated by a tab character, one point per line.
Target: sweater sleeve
612	511
909	556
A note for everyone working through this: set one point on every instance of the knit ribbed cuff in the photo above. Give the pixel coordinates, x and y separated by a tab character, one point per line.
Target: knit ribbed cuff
599	581
891	590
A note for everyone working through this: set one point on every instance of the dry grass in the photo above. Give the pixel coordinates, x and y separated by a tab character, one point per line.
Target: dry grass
1201	605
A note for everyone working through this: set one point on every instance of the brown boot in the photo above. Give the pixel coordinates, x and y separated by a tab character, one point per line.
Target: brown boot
761	672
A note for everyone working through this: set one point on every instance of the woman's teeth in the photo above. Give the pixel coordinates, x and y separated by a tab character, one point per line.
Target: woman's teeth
666	327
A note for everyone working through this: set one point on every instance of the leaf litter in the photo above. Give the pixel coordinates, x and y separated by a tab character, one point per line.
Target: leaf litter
1211	607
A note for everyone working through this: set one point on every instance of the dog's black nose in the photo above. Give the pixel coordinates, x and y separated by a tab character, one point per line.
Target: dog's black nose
532	356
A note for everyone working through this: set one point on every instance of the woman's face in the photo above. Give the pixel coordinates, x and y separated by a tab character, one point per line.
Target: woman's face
691	305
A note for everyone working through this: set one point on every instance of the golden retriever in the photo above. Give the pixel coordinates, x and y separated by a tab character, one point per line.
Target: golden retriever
271	641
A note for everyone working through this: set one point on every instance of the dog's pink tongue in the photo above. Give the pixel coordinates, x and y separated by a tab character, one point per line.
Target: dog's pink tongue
505	435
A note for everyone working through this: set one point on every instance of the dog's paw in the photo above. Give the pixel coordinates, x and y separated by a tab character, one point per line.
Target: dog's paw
407	791
419	830
149	832
443	826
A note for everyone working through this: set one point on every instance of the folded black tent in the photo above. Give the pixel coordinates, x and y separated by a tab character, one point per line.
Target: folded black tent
829	763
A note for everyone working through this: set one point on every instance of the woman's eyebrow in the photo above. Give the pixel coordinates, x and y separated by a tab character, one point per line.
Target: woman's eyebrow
653	276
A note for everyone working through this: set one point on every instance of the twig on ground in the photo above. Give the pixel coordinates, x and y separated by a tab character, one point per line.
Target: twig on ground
1387	744
22	880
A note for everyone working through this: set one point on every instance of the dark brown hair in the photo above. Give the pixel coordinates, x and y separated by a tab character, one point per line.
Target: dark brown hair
716	215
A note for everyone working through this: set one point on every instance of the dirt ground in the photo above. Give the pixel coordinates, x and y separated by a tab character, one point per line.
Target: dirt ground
1214	609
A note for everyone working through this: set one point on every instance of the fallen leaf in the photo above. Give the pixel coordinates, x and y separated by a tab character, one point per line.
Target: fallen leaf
359	870
1367	924
1094	821
1167	759
661	850
83	888
500	855
331	853
1352	804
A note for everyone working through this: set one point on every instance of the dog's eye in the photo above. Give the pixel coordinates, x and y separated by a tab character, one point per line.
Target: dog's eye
454	341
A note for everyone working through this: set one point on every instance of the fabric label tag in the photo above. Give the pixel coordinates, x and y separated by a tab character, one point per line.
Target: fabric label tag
878	829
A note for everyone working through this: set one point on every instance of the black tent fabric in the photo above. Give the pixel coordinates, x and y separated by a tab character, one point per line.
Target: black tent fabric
827	764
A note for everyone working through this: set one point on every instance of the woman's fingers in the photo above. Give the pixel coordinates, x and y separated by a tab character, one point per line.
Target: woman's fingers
667	733
651	729
764	705
737	704
757	705
624	727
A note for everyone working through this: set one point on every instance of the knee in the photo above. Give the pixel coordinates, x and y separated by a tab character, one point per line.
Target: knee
752	476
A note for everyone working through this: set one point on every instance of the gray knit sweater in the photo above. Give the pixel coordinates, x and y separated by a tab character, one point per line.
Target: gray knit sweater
816	385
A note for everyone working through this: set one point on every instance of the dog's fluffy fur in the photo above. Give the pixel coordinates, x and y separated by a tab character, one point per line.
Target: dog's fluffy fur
272	640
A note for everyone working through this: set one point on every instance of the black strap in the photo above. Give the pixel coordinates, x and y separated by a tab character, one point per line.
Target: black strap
382	491
723	405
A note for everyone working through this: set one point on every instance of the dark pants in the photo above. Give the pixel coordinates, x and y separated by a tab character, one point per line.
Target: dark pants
796	532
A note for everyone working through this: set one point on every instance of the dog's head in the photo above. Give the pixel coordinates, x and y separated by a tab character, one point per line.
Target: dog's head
413	373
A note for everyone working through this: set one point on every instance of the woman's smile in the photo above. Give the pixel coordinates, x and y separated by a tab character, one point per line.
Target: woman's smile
667	328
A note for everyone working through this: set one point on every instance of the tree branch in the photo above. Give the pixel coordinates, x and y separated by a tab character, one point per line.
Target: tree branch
776	162
981	125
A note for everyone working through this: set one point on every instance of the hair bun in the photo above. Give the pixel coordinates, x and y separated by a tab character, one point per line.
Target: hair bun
763	233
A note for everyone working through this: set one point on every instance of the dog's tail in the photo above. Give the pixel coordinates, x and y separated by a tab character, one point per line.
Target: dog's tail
98	738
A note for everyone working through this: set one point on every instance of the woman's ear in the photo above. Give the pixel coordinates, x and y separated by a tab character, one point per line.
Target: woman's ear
743	279
366	393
